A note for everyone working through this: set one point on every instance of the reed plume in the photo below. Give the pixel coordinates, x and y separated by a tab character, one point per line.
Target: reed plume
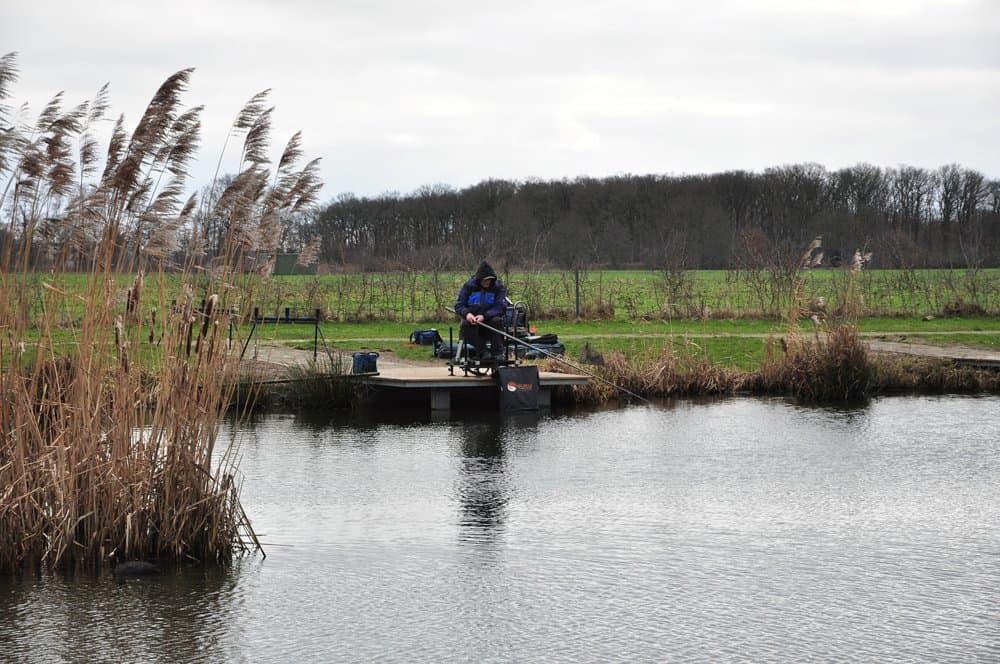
310	253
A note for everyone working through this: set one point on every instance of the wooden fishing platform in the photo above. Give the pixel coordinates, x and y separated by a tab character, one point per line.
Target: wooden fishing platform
436	385
961	355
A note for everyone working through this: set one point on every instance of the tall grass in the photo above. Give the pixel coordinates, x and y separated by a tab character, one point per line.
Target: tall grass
421	296
829	365
321	385
832	364
929	375
670	374
110	413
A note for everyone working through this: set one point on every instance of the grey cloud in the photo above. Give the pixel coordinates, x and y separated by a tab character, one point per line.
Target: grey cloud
397	94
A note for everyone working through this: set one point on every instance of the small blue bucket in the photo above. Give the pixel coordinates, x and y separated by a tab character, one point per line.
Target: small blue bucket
365	363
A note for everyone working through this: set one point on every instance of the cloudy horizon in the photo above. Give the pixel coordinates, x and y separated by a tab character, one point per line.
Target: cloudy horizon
394	96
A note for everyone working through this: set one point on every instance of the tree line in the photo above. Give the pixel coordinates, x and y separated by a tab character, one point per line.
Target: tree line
906	216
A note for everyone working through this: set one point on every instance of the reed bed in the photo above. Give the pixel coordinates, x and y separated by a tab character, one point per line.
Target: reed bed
111	396
671	374
908	374
829	365
832	368
320	385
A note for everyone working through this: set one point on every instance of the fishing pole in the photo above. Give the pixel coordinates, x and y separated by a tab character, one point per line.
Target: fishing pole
560	359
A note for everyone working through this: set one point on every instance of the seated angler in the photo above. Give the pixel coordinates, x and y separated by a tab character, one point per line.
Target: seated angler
483	299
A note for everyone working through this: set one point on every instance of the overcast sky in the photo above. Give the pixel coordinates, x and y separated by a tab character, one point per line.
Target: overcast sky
397	94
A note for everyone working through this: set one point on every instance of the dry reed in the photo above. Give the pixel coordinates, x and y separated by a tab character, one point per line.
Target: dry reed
107	438
909	374
671	374
828	367
832	364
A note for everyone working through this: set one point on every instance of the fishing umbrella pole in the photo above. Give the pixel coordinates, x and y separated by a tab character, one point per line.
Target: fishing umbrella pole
560	359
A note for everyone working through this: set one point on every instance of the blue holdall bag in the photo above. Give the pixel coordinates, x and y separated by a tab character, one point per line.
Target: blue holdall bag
425	337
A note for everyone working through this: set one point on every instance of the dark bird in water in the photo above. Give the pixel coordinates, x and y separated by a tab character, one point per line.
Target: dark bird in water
132	567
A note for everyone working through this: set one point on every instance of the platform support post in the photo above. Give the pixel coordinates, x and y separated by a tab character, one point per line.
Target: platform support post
440	399
545	397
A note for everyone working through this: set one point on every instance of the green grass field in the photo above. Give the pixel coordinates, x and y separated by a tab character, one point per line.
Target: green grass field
616	295
638	295
730	315
739	344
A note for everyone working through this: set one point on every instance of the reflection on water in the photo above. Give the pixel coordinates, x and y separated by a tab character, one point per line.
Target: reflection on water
482	487
54	619
728	530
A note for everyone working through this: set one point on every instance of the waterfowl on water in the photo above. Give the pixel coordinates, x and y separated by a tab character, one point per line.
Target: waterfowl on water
132	567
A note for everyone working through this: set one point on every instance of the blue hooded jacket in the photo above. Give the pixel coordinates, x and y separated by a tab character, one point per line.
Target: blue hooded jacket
473	298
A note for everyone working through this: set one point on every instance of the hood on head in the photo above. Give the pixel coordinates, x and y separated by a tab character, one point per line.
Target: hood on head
485	270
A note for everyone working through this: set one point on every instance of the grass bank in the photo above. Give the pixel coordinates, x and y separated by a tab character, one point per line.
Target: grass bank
730	344
829	367
806	361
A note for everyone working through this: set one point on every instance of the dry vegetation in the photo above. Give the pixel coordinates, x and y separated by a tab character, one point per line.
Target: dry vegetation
109	421
831	364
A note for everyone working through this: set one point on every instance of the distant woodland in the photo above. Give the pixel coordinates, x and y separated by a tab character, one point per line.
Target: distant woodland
55	199
907	217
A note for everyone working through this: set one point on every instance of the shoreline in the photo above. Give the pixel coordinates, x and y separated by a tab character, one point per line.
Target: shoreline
894	368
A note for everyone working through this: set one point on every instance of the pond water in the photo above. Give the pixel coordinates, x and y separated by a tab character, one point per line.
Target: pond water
732	530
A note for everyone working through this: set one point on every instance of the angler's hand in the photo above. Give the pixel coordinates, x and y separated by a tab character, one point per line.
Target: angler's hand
471	317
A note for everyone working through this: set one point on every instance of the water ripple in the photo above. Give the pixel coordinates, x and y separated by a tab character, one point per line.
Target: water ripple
741	530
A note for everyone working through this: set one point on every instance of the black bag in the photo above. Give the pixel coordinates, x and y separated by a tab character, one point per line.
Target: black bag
445	350
514	317
518	388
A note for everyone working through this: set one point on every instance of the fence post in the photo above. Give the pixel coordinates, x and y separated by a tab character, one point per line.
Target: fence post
316	337
576	279
255	332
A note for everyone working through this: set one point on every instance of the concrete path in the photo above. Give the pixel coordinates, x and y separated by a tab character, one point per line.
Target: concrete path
274	360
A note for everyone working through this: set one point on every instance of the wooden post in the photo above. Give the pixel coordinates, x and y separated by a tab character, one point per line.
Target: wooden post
545	397
316	337
576	278
441	398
